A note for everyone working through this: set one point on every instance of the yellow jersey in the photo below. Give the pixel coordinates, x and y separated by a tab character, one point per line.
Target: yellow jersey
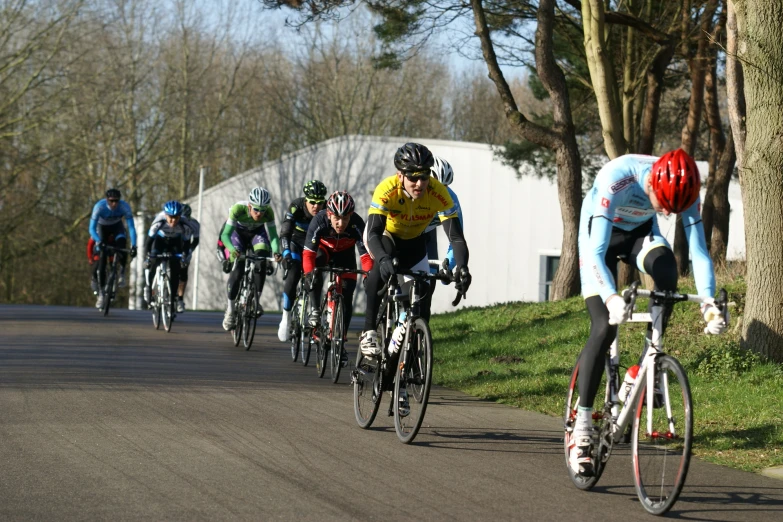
407	218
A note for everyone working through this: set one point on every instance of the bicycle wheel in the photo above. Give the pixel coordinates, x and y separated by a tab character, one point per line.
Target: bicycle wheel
661	456
108	291
317	338
250	317
366	389
600	424
337	338
155	314
165	303
294	329
419	345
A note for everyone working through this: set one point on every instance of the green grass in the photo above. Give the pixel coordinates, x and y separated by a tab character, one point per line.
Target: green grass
522	354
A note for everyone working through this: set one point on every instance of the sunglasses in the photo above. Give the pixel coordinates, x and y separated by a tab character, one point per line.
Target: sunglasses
316	202
418	176
259	209
113	200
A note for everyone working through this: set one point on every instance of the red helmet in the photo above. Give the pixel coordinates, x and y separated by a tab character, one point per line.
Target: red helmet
340	203
675	181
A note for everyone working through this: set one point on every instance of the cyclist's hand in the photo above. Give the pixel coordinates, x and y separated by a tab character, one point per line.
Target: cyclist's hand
98	246
147	263
133	252
463	279
277	257
233	255
616	306
714	318
386	268
227	266
287	260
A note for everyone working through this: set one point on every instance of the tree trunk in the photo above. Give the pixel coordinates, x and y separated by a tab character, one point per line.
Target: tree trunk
602	78
655	72
759	33
561	138
720	202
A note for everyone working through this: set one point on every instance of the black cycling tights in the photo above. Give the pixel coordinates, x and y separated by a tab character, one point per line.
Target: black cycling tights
662	266
259	277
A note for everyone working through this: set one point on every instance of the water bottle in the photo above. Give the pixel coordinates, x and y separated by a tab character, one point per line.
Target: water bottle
397	335
627	386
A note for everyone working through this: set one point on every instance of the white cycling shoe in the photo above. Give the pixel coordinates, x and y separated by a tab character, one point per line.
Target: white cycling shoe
579	451
282	330
369	344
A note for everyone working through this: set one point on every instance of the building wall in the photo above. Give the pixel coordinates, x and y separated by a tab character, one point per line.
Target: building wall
510	222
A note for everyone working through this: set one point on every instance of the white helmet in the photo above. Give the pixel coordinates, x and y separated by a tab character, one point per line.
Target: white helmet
442	171
259	197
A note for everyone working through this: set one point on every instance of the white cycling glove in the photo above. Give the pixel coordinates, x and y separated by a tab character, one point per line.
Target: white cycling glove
616	306
714	317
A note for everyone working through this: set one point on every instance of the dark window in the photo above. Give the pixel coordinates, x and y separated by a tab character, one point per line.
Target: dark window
548	269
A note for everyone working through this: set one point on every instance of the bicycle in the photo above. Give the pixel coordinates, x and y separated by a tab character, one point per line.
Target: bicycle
299	331
246	302
110	287
660	404
161	301
329	335
411	379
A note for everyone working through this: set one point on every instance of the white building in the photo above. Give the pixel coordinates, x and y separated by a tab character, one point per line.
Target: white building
512	225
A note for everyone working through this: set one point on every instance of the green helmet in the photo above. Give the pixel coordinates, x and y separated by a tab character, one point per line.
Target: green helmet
315	190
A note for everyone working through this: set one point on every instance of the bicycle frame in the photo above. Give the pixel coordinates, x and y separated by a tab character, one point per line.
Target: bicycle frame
335	287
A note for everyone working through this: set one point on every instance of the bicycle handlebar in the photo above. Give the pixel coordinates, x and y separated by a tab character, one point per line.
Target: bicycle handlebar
340	270
163	255
116	249
445	275
668	297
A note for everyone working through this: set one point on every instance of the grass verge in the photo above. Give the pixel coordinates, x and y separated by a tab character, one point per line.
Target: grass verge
522	354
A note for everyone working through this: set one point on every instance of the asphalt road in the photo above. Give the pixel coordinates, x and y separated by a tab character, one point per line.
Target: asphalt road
108	419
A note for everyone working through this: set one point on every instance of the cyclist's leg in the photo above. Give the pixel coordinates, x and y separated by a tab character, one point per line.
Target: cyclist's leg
412	255
346	259
261	247
104	233
314	296
653	256
176	247
294	274
374	284
240	243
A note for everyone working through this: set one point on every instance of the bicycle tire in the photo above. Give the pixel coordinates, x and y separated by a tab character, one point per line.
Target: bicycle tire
166	303
250	317
155	315
236	332
336	338
418	344
305	332
662	451
320	352
602	451
109	288
294	330
367	393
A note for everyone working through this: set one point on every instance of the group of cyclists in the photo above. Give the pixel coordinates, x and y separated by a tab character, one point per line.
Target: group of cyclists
618	221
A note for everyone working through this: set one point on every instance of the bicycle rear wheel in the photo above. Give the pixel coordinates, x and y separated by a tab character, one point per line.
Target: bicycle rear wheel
108	291
294	330
155	315
337	338
250	317
367	394
603	449
165	303
661	456
418	347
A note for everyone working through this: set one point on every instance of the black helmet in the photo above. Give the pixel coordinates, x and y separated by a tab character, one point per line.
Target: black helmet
314	190
186	210
413	157
113	193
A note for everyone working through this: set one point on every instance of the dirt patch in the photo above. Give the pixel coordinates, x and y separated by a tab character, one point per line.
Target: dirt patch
507	359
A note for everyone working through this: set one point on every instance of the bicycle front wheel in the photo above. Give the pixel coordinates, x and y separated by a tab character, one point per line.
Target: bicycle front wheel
294	329
155	315
410	381
337	338
165	304
108	291
250	317
317	339
366	389
661	455
602	451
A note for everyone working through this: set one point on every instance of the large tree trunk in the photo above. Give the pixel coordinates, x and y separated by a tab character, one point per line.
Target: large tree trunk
655	72
720	201
760	33
561	138
602	78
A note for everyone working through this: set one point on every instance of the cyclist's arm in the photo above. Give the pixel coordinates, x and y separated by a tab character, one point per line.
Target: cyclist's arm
595	257
312	240
453	231
376	224
129	219
450	250
703	270
94	222
272	229
287	228
364	256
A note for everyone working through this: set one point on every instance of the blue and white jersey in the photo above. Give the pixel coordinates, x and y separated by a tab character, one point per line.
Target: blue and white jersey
618	199
436	222
104	216
160	227
193	227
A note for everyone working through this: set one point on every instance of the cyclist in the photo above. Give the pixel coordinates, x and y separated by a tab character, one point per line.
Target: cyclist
191	242
443	172
243	229
330	239
106	221
292	236
402	207
166	234
618	220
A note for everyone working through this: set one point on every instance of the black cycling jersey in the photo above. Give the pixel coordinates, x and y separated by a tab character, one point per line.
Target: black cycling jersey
294	228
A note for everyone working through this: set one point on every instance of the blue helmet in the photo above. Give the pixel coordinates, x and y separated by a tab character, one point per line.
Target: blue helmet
172	208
